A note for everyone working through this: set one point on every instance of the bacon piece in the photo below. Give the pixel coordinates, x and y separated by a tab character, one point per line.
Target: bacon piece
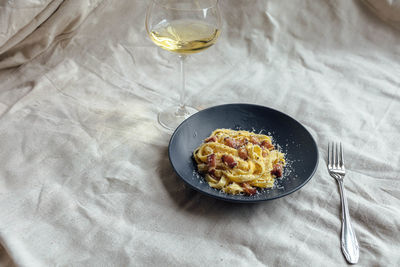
254	140
229	141
249	189
211	161
211	172
265	152
211	139
242	142
243	153
229	160
267	145
277	170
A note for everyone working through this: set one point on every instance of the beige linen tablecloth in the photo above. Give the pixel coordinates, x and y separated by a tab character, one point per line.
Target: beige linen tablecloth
84	173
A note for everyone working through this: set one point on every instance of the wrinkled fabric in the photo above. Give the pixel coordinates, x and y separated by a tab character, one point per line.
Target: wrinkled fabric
16	15
56	21
85	178
388	10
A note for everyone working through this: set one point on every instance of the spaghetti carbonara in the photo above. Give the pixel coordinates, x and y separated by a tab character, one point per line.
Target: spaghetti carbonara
239	161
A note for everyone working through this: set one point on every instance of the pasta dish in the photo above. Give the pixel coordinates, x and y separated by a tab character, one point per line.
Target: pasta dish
239	162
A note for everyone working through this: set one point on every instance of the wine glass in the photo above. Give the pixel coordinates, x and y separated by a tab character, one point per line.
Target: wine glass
184	27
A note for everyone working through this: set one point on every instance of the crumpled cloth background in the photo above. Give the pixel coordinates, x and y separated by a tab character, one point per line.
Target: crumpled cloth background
84	174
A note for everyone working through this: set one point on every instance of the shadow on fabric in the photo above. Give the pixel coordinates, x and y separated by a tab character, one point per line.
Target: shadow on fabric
5	259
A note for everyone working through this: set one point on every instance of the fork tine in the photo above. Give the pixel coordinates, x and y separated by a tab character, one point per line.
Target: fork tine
334	154
329	155
341	156
337	155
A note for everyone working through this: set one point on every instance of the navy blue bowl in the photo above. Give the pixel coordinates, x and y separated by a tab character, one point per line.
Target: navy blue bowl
292	138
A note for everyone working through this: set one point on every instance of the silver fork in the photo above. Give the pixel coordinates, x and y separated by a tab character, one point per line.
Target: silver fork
336	169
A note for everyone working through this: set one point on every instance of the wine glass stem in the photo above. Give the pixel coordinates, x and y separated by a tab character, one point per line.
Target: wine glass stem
182	95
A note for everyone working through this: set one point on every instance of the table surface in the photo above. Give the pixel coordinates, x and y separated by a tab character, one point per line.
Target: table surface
85	178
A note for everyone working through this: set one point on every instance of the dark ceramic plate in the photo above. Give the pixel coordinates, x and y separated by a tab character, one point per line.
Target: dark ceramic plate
293	139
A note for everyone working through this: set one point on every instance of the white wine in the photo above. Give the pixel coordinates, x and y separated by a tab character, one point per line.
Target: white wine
184	36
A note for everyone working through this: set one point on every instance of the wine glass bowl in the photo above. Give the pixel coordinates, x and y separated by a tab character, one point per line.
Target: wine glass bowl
184	36
184	27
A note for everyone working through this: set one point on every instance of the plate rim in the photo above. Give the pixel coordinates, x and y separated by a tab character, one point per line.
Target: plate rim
233	200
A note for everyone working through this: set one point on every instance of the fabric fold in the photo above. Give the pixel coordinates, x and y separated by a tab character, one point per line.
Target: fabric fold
56	22
387	10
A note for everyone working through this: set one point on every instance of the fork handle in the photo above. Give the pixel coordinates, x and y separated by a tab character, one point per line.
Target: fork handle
349	242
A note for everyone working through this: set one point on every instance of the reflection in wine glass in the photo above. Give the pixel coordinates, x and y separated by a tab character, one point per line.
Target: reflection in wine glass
183	27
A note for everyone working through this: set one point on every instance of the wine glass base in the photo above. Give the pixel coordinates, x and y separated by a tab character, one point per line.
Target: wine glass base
171	117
